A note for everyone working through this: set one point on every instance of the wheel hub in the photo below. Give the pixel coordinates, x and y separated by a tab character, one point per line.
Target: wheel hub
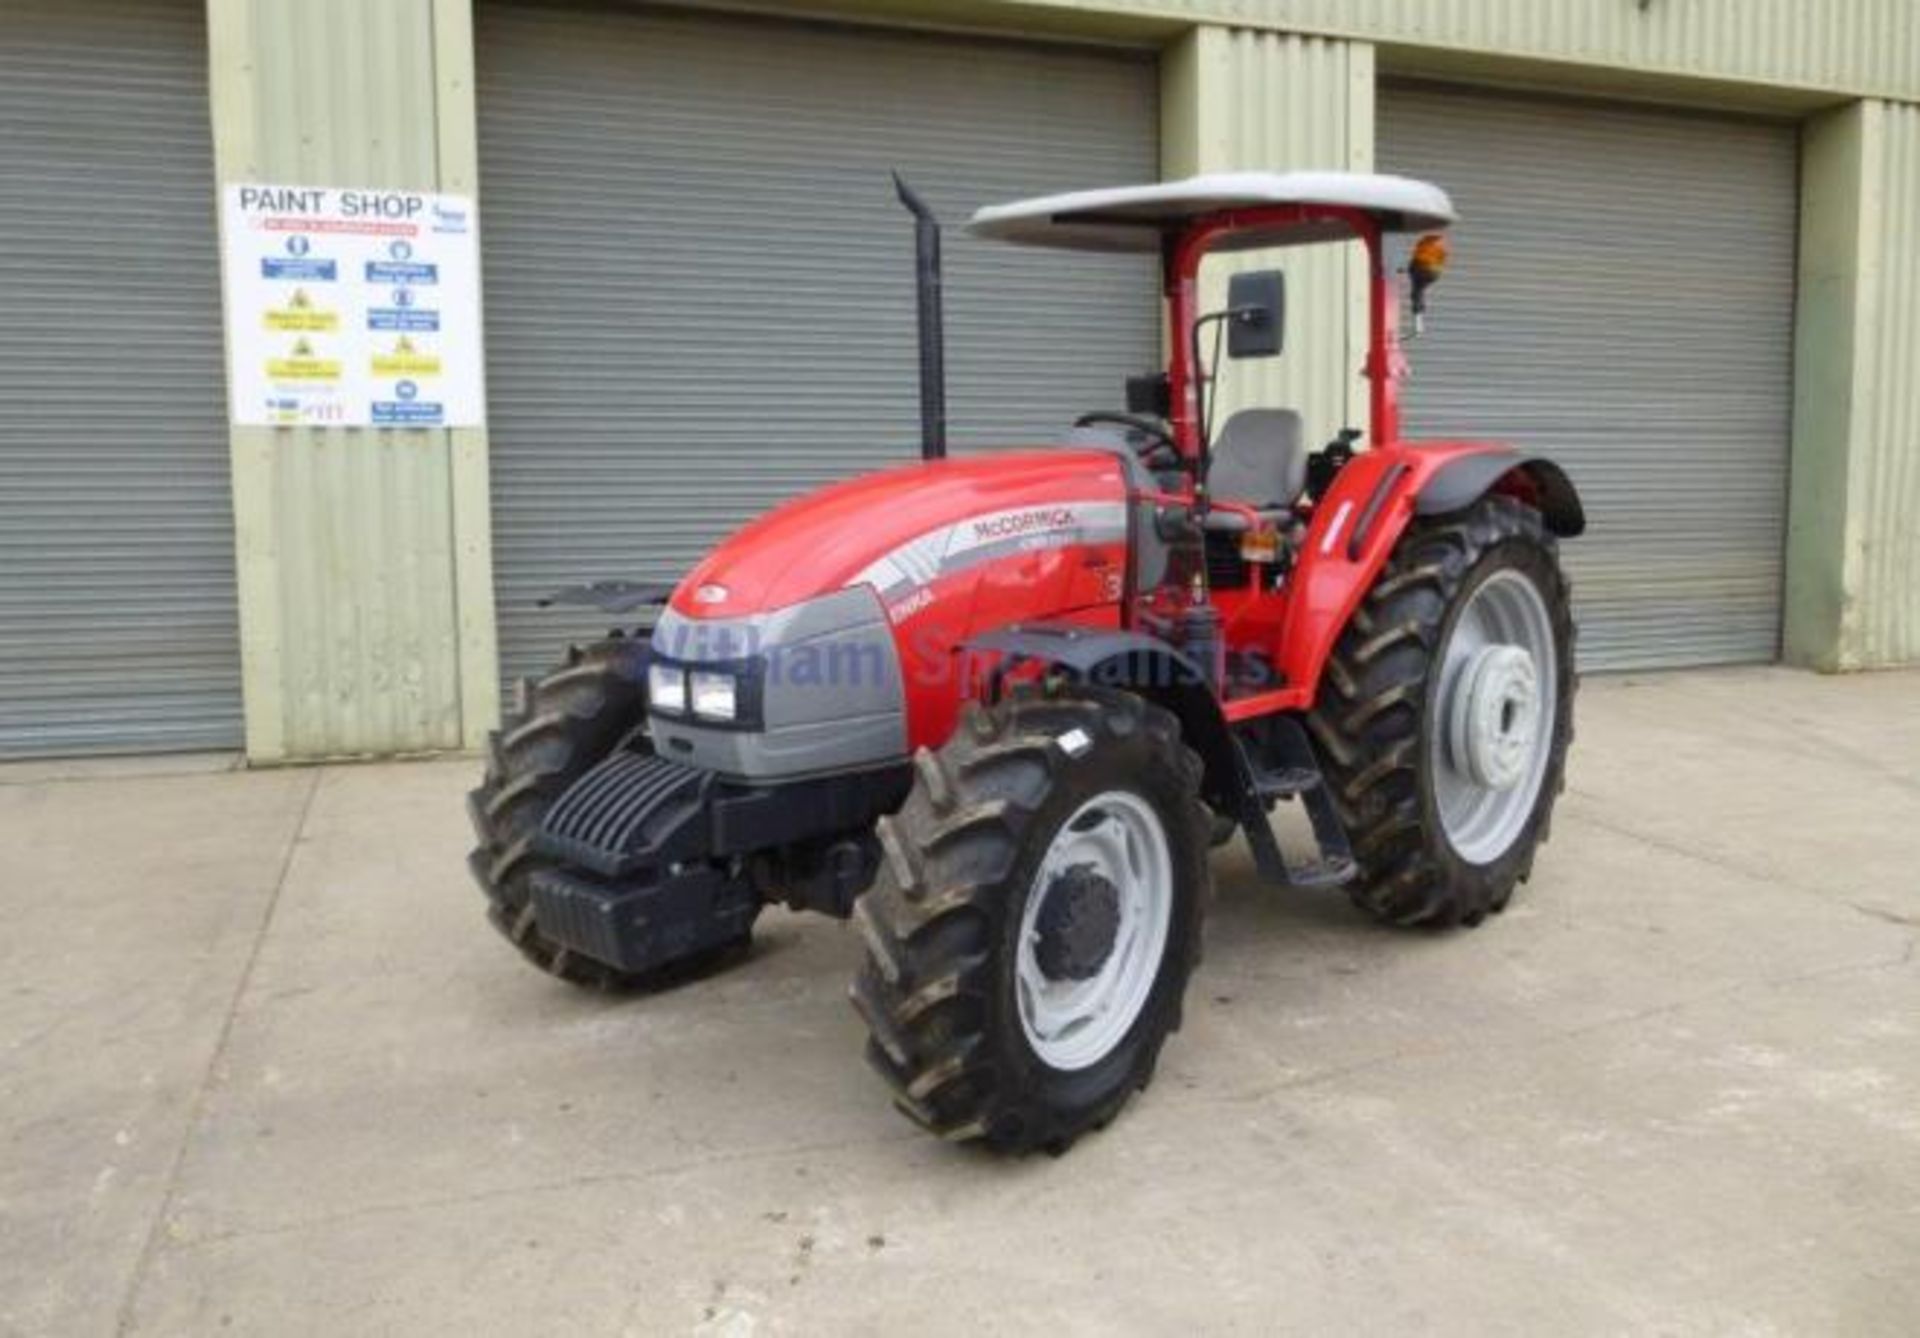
1496	716
1094	930
1079	923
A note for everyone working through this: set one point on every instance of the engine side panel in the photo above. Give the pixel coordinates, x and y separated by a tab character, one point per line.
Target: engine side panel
899	529
921	558
1060	562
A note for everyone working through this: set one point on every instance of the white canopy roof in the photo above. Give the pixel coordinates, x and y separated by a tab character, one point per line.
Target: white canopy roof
1132	218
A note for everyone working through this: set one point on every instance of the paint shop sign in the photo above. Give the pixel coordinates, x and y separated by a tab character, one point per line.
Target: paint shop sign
352	308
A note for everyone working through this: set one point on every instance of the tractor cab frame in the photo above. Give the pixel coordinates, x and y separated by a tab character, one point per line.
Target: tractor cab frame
1186	221
1237	600
1277	630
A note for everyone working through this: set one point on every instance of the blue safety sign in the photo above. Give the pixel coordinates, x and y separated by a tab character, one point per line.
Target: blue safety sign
404	413
401	272
308	271
412	321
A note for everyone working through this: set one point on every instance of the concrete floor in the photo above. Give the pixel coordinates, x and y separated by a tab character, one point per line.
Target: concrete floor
267	1071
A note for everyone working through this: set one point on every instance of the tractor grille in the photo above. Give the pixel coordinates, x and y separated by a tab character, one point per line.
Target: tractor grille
616	811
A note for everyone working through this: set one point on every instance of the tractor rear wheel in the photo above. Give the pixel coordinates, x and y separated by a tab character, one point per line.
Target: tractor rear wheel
1030	940
566	722
1445	714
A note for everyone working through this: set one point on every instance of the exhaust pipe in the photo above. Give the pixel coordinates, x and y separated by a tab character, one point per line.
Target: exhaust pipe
933	350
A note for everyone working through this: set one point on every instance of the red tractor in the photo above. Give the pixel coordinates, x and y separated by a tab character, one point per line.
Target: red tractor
997	709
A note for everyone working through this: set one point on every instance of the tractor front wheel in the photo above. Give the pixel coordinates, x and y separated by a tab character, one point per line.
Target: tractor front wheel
1445	714
1029	944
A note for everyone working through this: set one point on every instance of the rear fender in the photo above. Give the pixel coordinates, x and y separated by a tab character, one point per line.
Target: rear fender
1137	663
1371	503
1533	479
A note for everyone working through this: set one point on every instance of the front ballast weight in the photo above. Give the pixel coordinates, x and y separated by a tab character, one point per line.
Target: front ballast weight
611	866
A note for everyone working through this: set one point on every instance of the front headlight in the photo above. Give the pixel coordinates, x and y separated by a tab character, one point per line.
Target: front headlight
667	688
715	696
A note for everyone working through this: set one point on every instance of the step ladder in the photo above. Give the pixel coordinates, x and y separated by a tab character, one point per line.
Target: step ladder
1280	764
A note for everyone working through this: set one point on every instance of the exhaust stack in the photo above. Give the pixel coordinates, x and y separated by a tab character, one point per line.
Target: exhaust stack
933	351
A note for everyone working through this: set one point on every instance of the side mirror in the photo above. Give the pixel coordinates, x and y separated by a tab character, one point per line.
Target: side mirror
1257	313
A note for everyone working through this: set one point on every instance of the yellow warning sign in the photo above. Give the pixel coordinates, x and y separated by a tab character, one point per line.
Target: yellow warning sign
301	315
303	365
405	360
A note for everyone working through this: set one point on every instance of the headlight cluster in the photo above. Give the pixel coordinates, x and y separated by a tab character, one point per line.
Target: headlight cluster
710	694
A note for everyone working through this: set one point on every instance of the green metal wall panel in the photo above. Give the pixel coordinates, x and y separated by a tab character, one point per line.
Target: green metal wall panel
1853	555
351	628
1884	628
1823	385
1843	47
1238	100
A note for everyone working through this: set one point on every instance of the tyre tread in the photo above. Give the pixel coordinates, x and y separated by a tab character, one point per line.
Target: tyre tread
929	927
1367	723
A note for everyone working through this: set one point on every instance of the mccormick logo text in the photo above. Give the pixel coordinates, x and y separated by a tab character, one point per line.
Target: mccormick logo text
1014	523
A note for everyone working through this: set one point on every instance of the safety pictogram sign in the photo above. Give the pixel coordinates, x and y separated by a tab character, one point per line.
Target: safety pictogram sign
300	313
303	364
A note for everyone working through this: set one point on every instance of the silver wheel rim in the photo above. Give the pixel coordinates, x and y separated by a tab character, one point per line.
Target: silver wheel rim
1498	700
1074	1024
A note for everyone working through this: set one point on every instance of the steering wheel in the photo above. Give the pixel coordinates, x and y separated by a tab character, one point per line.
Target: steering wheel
1159	441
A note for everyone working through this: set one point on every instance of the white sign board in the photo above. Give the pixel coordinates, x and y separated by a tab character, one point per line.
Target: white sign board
352	308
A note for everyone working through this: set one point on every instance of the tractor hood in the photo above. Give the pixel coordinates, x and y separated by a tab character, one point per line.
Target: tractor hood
900	526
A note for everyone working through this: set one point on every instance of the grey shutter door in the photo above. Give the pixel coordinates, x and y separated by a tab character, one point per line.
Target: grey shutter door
700	290
117	607
1621	298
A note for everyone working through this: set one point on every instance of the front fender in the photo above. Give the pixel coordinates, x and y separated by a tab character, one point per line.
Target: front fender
1138	663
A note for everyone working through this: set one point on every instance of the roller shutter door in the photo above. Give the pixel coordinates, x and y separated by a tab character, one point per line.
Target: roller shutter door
700	286
1621	298
117	606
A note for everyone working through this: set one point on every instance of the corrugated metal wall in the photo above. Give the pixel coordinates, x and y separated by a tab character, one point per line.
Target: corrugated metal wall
1853	582
364	558
701	285
350	618
1842	44
1621	298
117	623
1241	100
1883	626
1857	46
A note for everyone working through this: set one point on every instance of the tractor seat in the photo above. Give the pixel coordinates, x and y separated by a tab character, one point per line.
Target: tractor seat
1259	460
